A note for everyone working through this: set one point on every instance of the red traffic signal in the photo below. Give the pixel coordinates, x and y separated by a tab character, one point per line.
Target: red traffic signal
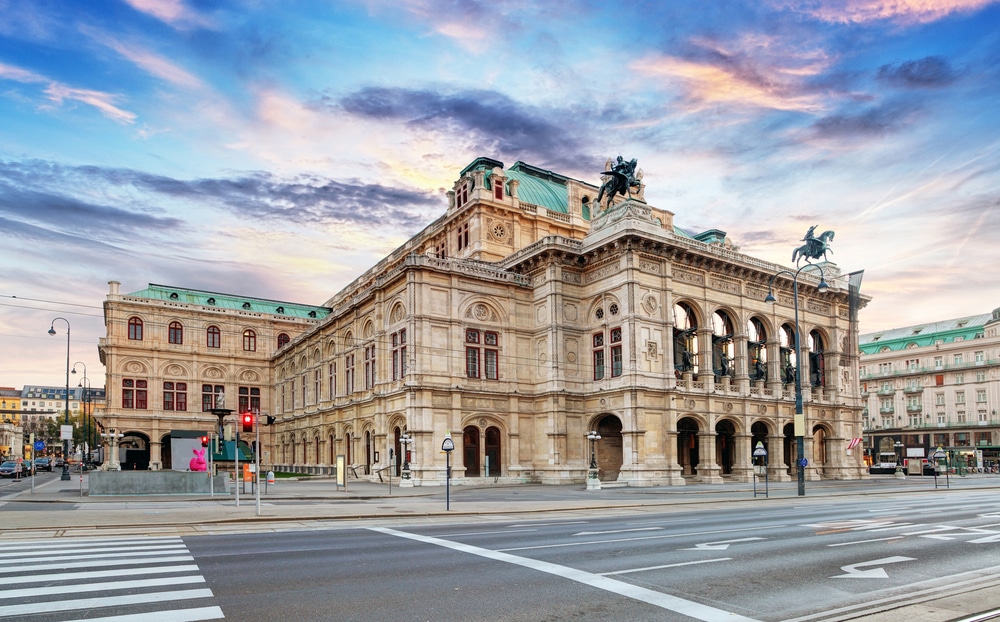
204	441
247	422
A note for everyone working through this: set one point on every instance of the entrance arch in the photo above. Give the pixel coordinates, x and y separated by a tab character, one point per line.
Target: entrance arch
687	446
791	453
493	454
819	449
609	448
470	451
725	446
134	451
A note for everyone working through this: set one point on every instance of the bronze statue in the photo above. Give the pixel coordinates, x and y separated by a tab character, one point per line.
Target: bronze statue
622	180
814	247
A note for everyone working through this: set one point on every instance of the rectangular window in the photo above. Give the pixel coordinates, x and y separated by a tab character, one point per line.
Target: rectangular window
497	191
175	396
939	399
959	397
939	380
490	364
980	376
981	396
370	366
399	354
885	368
212	396
249	399
959	378
317	383
598	341
472	362
616	352
980	357
349	373
332	372
912	364
958	358
938	362
134	393
304	384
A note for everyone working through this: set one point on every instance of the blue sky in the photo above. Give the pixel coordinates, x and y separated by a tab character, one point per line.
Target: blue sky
279	149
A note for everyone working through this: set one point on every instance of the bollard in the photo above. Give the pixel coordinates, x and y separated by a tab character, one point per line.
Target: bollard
270	477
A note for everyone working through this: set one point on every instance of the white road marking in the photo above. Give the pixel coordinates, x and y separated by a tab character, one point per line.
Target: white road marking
50	590
102	601
98	574
652	597
601	533
174	615
704	561
664	537
853	571
721	545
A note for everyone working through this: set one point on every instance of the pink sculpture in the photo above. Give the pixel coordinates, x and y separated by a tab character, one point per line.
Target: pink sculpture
198	462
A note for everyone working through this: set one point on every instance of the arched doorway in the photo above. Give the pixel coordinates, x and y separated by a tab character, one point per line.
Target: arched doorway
725	446
470	450
758	434
790	447
166	456
687	446
133	451
819	452
397	456
368	452
347	449
609	448
493	451
817	360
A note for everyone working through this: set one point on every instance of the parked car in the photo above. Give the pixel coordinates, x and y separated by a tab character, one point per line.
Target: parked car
43	464
8	468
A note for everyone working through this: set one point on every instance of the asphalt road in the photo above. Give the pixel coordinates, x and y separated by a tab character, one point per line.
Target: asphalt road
836	559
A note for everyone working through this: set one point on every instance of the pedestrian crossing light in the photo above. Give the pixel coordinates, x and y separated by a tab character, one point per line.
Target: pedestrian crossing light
248	422
204	441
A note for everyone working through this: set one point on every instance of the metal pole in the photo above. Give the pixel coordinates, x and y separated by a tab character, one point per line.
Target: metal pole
447	480
52	331
239	476
800	422
256	457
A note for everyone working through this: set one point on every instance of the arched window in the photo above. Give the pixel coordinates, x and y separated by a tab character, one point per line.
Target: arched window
213	337
249	341
817	360
756	349
786	337
175	333
135	329
283	340
685	339
723	350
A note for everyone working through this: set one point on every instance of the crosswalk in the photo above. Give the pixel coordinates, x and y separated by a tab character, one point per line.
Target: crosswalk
147	579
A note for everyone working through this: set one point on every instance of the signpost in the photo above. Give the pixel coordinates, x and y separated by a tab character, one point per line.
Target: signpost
759	467
447	447
941	454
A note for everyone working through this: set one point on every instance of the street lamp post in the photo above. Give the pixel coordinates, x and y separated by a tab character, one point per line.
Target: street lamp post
800	420
593	481
406	440
52	331
85	384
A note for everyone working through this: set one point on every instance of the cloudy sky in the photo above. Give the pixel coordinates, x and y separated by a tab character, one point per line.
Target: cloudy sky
280	148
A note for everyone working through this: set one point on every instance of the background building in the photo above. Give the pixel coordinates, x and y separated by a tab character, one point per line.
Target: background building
525	317
934	385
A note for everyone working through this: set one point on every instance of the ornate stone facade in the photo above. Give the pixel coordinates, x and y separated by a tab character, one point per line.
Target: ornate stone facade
516	326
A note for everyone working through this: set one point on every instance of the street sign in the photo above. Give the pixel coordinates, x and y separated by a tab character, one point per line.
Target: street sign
39	445
448	445
65	432
759	450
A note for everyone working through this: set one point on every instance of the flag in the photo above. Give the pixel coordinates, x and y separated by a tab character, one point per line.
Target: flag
854	442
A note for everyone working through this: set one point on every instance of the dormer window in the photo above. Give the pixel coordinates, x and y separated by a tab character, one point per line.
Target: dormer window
211	301
280	310
246	305
498	191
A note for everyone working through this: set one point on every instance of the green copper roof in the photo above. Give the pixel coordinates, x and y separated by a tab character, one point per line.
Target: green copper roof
540	187
946	331
230	301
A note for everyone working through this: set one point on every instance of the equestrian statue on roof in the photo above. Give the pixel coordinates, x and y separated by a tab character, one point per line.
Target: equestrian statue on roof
815	247
622	180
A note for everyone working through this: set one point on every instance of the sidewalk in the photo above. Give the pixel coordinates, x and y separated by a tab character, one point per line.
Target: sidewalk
57	506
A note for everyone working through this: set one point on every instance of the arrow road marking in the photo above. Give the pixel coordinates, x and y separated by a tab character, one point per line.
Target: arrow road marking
598	533
875	573
722	545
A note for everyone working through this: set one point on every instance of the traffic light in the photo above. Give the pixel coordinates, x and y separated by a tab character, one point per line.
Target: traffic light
269	420
204	441
248	422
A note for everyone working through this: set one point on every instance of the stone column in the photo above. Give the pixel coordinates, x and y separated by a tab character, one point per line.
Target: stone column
708	468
